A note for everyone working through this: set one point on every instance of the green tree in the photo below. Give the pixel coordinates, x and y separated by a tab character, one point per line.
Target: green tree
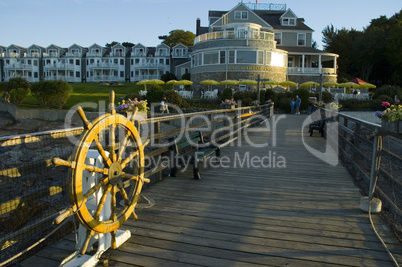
127	44
168	76
179	36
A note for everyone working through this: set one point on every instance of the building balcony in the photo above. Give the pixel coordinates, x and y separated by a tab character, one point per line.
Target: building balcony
104	78
253	35
18	66
147	77
35	55
74	55
51	55
103	66
94	54
149	66
59	66
138	54
300	70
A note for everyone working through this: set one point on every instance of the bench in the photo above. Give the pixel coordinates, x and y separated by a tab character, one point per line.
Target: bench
319	126
190	142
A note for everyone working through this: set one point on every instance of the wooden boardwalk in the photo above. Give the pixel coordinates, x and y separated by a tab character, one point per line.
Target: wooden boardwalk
300	211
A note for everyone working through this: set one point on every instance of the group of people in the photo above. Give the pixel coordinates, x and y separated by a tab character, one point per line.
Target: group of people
295	105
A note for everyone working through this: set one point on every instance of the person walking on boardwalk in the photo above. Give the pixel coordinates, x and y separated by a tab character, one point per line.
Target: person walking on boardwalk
292	106
297	104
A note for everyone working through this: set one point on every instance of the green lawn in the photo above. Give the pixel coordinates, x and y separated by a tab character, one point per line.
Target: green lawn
92	93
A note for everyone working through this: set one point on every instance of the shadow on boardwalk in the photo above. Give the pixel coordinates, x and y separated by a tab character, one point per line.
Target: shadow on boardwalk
297	211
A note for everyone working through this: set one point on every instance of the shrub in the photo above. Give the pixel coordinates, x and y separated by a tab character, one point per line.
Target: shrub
18	95
154	94
284	104
16	83
174	98
271	95
168	76
246	97
326	97
376	104
386	98
388	90
227	94
350	103
51	94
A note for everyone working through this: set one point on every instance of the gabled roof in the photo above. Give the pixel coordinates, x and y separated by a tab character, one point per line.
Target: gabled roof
37	46
273	18
75	45
241	6
16	46
289	14
179	45
162	44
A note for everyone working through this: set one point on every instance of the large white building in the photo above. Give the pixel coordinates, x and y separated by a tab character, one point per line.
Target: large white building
250	40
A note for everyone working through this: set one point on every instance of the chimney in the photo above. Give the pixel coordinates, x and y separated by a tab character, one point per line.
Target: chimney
198	26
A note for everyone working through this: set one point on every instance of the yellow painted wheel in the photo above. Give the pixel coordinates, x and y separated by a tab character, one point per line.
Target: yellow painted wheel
118	142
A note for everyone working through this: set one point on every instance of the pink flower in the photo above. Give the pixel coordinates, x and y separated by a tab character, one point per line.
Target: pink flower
384	104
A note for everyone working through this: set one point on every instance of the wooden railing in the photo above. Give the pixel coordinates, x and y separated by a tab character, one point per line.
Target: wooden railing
362	146
33	190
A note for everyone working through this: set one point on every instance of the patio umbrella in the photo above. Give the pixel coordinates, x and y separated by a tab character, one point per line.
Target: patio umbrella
358	81
309	84
229	82
366	86
171	82
249	82
155	81
143	82
209	82
288	84
184	82
349	85
330	84
270	83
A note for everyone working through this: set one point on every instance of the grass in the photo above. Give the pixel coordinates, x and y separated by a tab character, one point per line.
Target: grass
87	94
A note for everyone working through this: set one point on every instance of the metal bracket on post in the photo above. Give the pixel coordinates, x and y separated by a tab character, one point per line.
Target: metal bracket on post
370	203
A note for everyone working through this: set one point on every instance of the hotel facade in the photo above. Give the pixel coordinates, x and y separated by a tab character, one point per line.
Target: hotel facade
249	41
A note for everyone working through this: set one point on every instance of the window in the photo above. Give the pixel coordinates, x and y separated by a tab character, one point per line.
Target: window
77	62
222	57
290	62
289	21
211	58
260	59
231	56
246	57
241	15
277	59
161	61
137	61
121	74
167	61
116	61
301	39
35	63
122	62
77	74
278	38
36	74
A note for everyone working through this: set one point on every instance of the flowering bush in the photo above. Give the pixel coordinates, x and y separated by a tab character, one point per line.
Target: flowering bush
255	103
332	105
391	112
228	102
130	105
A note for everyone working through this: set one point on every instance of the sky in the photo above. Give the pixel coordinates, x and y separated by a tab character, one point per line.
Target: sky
85	22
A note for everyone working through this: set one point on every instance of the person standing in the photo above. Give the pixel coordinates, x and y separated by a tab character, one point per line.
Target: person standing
292	106
297	104
310	105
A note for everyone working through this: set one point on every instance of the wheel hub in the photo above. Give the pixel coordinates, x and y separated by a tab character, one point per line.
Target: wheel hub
115	173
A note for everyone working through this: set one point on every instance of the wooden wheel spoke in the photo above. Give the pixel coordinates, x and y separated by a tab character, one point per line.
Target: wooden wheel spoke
113	215
123	146
123	194
95	188
102	152
114	243
102	202
86	242
91	168
113	143
127	160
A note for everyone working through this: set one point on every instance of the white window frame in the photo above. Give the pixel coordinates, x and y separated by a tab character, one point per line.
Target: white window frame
280	39
240	14
288	21
301	39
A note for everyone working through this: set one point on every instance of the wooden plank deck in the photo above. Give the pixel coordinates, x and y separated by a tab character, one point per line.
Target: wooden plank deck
305	214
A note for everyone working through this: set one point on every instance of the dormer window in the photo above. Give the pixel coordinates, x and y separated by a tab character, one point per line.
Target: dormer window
241	15
289	21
